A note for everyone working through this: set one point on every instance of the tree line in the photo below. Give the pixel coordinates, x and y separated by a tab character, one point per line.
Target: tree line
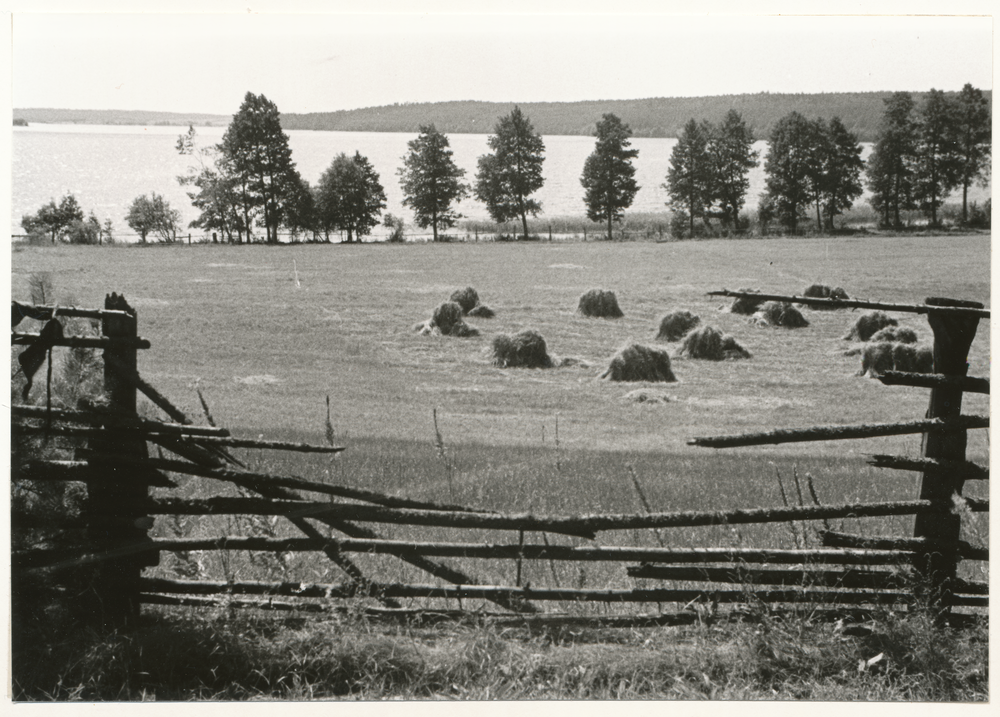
248	182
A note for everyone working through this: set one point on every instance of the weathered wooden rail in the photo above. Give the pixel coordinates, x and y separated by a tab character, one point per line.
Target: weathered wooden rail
849	571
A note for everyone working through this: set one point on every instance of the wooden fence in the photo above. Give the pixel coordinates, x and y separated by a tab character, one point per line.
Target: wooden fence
849	571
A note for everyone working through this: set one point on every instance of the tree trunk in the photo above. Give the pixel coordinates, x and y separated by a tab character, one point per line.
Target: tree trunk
610	219
434	223
965	197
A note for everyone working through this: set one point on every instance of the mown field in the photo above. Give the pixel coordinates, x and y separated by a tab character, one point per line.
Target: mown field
267	332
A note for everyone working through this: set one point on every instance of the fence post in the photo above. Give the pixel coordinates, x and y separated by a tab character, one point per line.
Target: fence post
116	495
953	335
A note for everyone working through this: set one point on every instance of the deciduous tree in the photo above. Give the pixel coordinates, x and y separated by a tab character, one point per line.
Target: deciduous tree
350	196
608	174
513	171
54	219
973	129
153	215
937	169
257	155
690	180
840	183
790	168
890	166
730	147
431	180
211	190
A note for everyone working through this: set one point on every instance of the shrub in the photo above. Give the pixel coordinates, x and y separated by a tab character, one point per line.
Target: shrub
709	343
868	325
84	231
640	363
674	325
395	225
601	304
525	349
980	217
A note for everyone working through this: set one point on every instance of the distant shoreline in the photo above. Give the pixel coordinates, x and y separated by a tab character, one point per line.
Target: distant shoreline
660	117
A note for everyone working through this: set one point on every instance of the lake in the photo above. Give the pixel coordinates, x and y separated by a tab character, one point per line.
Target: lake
107	166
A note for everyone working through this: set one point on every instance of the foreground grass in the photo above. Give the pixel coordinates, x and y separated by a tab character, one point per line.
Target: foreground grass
239	657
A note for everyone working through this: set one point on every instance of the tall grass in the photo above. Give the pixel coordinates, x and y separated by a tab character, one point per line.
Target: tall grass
218	656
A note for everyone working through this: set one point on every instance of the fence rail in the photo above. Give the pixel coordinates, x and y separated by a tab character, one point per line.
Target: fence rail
847	571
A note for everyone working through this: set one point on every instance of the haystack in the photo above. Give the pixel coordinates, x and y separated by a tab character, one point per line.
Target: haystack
467	298
448	320
779	313
868	325
448	315
895	334
676	324
822	291
463	331
709	343
744	304
640	363
888	356
600	303
482	311
524	349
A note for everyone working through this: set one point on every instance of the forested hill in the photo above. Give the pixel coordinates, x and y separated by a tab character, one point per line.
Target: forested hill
860	112
655	117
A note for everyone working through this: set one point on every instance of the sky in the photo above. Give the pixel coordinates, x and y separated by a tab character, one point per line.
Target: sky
190	61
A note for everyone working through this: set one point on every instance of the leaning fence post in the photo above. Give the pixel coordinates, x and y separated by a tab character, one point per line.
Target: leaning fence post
116	495
953	335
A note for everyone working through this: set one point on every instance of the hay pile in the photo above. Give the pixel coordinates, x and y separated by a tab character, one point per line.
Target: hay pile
640	363
868	325
822	291
600	303
448	320
482	311
744	304
896	334
709	343
468	299
676	324
888	356
779	313
525	349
